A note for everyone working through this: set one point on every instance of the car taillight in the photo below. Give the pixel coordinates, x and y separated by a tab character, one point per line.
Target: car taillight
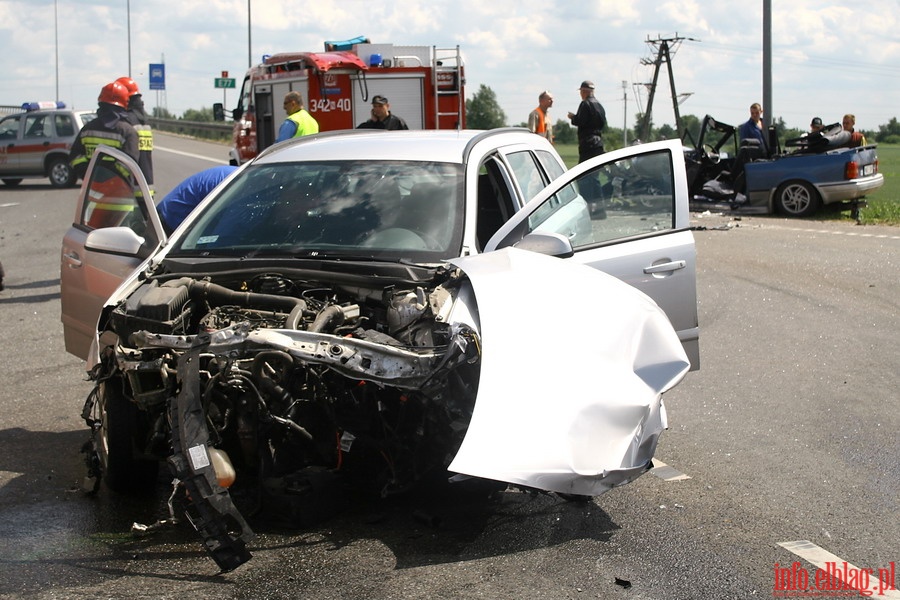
851	171
876	165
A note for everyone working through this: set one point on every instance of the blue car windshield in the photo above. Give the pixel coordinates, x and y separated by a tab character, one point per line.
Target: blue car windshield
387	210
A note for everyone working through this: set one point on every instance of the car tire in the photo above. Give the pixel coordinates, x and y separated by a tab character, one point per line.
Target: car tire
120	427
60	173
12	182
797	199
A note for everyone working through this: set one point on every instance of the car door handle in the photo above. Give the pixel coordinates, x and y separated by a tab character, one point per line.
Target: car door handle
72	259
664	267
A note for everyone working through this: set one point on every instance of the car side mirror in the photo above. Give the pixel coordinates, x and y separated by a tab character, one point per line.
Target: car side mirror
114	240
218	112
549	243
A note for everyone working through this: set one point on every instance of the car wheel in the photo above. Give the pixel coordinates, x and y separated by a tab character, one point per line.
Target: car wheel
12	182
61	173
120	427
797	199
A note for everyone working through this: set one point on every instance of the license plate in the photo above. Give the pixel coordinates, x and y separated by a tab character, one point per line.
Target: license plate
868	170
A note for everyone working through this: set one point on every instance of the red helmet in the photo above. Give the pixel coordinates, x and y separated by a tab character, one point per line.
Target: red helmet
114	93
130	85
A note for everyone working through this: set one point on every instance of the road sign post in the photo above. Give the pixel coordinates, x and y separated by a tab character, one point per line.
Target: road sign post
224	82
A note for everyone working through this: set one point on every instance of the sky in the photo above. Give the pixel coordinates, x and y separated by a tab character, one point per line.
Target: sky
828	57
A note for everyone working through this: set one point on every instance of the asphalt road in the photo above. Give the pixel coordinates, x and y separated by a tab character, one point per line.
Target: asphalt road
788	433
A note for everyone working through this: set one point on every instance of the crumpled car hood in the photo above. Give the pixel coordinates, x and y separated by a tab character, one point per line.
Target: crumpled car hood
569	398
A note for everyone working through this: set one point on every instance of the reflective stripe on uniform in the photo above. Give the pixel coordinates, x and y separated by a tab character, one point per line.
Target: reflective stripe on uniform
93	138
145	138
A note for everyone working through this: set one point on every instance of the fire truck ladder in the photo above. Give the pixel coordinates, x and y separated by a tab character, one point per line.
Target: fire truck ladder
447	64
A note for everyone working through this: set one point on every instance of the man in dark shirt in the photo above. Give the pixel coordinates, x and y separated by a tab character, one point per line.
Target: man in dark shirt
590	121
382	117
753	128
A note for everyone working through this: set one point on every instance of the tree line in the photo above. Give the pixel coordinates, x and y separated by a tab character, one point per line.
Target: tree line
484	112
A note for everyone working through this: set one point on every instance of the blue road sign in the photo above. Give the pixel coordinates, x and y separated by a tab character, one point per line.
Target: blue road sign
157	76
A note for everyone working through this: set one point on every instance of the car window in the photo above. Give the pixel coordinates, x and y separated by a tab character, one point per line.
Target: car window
550	163
9	128
65	125
527	173
495	200
114	200
37	126
625	198
389	209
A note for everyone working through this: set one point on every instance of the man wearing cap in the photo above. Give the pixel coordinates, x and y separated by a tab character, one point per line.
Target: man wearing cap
815	125
382	118
590	121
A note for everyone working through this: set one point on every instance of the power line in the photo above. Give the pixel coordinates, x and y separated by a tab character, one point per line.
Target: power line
782	57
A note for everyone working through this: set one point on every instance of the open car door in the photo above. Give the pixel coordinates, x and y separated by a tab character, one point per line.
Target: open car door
625	213
116	228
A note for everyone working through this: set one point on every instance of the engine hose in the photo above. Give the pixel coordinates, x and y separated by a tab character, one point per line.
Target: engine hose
216	294
330	317
267	384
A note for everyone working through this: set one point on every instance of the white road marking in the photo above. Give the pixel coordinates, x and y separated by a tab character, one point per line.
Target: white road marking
880	236
8	204
825	560
8	476
191	155
667	473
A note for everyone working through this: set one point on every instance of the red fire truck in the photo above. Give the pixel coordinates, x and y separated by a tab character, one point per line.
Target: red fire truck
424	85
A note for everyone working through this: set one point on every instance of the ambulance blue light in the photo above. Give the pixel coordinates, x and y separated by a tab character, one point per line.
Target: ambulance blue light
42	105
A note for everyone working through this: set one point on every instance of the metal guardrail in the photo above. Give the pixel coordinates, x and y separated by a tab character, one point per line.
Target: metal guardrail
200	129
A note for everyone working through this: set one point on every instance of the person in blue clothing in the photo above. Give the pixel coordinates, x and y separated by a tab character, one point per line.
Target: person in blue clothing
753	128
179	203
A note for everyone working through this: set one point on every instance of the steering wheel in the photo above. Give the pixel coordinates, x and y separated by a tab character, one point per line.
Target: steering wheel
710	154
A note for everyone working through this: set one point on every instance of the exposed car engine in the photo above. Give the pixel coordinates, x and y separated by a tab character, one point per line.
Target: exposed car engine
289	389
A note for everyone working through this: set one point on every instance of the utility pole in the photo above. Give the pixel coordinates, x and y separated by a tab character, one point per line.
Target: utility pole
768	109
666	48
128	8
625	113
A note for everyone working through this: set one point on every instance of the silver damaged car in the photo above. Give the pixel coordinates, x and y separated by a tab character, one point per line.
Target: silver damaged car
376	309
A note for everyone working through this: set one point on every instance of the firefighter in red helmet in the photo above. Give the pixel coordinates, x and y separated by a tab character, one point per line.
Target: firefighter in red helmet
110	128
112	194
130	84
139	119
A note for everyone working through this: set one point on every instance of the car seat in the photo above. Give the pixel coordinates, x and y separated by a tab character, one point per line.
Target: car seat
428	211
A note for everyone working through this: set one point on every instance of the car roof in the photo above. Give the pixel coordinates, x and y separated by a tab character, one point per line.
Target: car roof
50	111
447	146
